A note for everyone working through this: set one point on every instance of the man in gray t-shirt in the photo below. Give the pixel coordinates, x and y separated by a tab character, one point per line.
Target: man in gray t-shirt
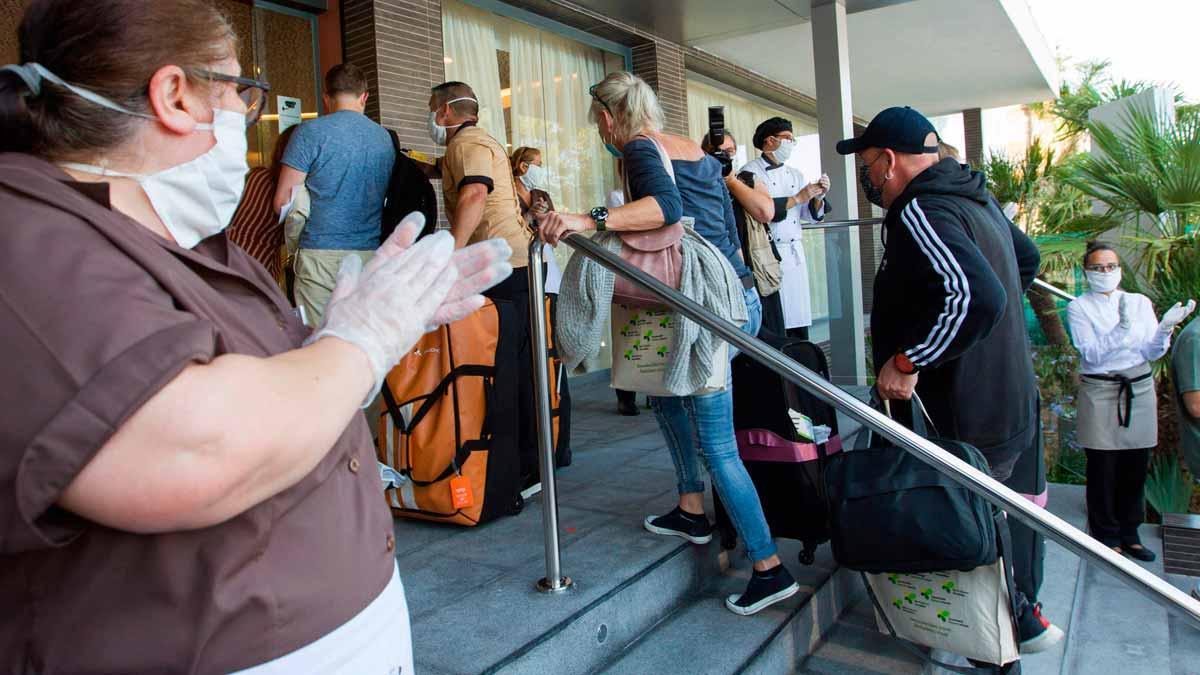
1185	370
345	160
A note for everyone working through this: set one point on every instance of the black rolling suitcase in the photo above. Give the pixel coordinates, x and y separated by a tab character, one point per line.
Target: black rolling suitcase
785	467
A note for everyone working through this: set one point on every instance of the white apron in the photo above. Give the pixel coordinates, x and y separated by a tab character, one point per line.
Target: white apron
376	641
1117	416
793	291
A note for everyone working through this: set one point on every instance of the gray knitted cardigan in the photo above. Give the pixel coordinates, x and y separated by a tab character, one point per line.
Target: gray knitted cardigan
585	298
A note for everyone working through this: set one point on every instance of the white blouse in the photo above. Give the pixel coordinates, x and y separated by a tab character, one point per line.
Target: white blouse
1104	346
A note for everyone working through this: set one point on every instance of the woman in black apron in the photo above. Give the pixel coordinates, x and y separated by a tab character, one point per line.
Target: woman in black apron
1118	336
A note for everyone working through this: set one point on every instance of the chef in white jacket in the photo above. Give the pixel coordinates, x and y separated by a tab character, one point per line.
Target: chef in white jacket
796	202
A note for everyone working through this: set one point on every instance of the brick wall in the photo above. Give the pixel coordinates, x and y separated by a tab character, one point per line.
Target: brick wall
973	133
660	64
398	43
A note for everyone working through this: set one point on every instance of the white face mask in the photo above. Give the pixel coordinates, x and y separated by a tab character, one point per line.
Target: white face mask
784	151
197	199
439	133
534	178
1104	282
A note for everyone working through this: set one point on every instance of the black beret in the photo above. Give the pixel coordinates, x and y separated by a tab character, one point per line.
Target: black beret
770	128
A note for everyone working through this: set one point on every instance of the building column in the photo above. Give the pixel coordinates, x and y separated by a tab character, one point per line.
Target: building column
835	121
973	135
660	64
399	47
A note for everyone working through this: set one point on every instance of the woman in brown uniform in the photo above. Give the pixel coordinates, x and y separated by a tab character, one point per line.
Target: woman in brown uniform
186	484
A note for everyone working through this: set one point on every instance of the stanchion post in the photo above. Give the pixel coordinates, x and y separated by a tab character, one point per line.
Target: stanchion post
554	581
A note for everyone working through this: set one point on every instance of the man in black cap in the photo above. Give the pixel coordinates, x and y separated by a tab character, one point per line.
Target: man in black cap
796	202
948	321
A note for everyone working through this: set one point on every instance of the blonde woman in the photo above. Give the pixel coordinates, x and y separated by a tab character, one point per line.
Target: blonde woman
697	428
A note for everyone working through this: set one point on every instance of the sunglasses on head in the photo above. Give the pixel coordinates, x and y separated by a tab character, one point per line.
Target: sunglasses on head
597	99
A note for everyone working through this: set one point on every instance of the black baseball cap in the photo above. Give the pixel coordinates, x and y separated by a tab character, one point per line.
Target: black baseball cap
900	128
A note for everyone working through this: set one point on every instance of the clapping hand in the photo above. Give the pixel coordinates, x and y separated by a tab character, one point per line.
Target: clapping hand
409	287
823	184
1175	316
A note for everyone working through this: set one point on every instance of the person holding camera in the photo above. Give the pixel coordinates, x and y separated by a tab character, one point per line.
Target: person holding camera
752	207
796	202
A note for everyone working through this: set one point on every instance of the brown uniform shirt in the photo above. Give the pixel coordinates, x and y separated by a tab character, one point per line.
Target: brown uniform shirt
473	156
97	314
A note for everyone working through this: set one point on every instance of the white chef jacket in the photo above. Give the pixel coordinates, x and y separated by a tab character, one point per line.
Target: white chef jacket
1104	347
784	181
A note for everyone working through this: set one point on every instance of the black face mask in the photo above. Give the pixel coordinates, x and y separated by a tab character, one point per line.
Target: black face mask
873	194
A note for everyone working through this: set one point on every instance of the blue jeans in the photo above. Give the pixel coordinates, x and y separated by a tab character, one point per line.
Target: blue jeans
700	429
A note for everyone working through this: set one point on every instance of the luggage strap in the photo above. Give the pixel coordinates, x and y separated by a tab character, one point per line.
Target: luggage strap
1004	544
464	450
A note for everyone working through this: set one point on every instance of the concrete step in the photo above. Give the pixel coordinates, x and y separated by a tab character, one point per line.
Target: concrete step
856	647
702	636
1118	630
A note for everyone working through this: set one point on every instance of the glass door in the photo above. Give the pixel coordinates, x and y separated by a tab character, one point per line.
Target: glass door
278	45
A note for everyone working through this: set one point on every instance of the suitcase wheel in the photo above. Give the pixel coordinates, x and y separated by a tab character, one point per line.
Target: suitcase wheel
808	555
518	505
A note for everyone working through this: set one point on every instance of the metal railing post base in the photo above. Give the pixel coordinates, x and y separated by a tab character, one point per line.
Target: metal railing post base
564	583
555	580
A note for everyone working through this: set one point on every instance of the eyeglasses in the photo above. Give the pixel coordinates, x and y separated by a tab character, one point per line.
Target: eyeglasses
252	92
1106	267
597	99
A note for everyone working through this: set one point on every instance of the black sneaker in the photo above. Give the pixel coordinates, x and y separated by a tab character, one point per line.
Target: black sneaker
765	589
1036	632
679	523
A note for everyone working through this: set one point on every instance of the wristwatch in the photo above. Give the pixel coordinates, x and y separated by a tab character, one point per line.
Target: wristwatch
904	364
600	217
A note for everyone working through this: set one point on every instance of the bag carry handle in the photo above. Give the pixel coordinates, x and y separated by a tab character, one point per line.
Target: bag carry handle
866	434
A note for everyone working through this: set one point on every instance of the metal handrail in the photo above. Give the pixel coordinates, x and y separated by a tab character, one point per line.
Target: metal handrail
837	224
1053	290
1050	525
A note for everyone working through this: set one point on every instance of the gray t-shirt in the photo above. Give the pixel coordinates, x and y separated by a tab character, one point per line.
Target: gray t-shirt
1185	364
348	159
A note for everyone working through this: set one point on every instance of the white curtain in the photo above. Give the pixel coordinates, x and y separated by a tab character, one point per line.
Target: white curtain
470	46
742	116
550	103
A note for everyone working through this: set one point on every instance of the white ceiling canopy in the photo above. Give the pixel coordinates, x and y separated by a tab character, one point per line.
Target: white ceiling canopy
939	56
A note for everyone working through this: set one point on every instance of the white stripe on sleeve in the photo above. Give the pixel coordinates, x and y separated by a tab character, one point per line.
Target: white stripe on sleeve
958	292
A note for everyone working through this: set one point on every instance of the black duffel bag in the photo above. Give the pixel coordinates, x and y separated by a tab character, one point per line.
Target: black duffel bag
891	512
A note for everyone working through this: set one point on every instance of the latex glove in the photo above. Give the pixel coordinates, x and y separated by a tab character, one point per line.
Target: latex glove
823	183
1175	316
480	266
1123	311
384	309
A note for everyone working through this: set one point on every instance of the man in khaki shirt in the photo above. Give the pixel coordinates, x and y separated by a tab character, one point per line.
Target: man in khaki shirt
477	179
481	202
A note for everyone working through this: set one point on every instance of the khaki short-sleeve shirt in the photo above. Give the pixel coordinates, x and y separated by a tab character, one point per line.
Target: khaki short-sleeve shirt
473	156
98	314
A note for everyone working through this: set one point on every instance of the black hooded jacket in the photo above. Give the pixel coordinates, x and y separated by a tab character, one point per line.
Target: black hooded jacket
948	295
